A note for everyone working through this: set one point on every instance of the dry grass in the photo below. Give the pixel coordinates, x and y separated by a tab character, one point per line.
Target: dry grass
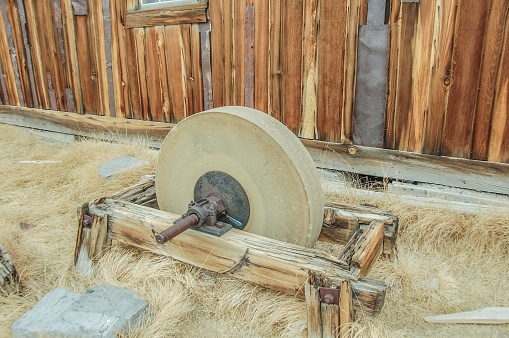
469	255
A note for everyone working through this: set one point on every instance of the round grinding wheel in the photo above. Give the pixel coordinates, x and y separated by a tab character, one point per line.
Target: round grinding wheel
258	158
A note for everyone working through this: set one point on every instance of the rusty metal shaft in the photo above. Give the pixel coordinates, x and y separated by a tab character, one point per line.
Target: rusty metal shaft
177	229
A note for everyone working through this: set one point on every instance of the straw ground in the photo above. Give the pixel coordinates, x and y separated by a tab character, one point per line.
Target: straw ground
468	254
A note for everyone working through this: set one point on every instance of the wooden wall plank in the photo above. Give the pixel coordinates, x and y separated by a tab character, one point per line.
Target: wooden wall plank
352	30
249	42
17	33
161	17
133	84
409	18
441	59
229	60
87	81
421	74
392	71
494	38
69	27
498	150
187	69
197	72
174	54
292	66
275	71
240	39
153	83
139	41
468	42
7	67
116	63
206	65
331	49
261	52
217	51
36	53
163	74
308	125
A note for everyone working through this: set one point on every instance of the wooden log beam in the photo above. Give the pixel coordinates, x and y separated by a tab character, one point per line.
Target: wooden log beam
455	172
273	264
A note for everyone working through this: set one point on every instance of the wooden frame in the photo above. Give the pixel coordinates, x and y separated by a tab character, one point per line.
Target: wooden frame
167	15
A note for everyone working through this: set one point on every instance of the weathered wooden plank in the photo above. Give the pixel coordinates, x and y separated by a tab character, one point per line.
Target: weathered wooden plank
197	75
498	150
239	27
96	26
206	66
494	38
353	8
17	34
468	41
292	66
153	84
187	69
392	71
421	74
217	51
116	63
330	320
249	85
409	17
363	12
331	49
313	310
139	41
440	77
175	59
261	55
345	309
308	124
72	59
88	81
275	69
134	77
165	17
229	50
271	263
36	53
368	248
7	67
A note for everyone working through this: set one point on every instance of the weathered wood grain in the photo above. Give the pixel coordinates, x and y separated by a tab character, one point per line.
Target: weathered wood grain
21	58
292	66
330	320
261	55
466	65
313	310
392	71
116	62
331	50
440	77
352	30
275	69
7	67
175	64
165	17
139	42
498	150
270	263
239	54
197	74
217	51
229	58
308	123
153	74
88	81
249	57
345	309
409	19
187	69
494	38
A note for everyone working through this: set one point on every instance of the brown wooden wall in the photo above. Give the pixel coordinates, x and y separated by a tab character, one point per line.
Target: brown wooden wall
448	68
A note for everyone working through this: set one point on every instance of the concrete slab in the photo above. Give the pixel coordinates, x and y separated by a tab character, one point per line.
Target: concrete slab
113	167
100	312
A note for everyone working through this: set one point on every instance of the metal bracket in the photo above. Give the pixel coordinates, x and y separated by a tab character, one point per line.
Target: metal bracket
329	295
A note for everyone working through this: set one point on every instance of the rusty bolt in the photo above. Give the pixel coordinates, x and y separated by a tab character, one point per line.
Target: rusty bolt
352	150
328	298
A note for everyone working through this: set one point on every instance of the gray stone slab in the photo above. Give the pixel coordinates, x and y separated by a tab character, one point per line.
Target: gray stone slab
100	312
113	167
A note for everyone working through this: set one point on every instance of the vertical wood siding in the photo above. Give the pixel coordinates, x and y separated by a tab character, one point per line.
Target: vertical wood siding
296	60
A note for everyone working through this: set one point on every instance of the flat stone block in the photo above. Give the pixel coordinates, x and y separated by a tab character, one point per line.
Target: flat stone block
113	167
100	312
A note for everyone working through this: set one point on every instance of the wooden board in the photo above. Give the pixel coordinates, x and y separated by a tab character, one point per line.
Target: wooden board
261	55
7	67
240	50
440	76
292	66
493	43
275	70
465	71
217	51
167	16
331	49
175	64
153	73
249	43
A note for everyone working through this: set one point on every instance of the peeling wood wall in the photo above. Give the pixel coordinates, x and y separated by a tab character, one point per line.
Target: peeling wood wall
447	90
